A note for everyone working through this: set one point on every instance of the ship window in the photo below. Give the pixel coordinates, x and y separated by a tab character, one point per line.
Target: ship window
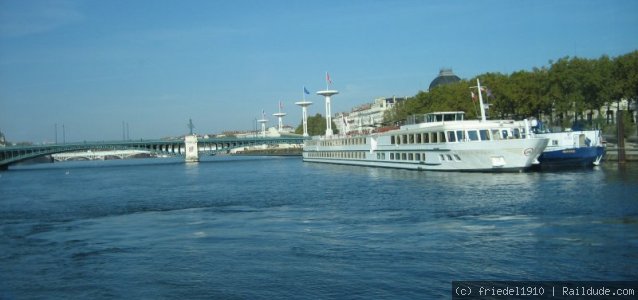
403	156
505	134
451	137
391	156
426	138
495	134
410	156
449	157
411	137
485	135
517	133
435	137
423	156
392	139
418	138
442	157
441	137
404	139
457	157
417	156
472	135
460	134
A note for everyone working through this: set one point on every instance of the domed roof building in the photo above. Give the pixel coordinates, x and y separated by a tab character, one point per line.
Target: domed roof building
446	76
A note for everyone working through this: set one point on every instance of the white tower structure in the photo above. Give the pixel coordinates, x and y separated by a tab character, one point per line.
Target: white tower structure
327	93
280	115
263	122
304	114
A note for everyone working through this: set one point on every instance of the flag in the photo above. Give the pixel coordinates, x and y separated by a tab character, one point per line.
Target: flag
328	78
306	91
473	96
281	106
489	92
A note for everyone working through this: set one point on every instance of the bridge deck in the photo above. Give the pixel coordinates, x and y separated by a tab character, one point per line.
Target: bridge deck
13	154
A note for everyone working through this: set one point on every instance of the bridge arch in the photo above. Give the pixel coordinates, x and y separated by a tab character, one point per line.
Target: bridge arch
14	154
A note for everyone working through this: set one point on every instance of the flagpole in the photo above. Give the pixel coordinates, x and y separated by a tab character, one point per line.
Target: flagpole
327	82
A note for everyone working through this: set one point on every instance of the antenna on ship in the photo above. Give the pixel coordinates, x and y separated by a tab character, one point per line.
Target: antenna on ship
480	95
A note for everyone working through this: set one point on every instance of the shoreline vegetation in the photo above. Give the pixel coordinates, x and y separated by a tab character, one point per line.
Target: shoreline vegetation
566	93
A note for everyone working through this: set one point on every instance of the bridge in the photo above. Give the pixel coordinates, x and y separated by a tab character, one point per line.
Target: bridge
190	147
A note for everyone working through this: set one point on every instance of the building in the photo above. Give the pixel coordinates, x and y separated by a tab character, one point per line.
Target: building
365	117
446	76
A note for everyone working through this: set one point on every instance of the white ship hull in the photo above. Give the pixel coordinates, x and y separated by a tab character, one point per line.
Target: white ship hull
491	146
513	157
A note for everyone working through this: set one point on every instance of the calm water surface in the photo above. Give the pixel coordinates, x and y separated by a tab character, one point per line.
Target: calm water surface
278	228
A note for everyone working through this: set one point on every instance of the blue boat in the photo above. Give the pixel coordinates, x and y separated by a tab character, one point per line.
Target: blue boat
582	148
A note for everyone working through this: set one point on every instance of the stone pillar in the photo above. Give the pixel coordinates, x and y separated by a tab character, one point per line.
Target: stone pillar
192	152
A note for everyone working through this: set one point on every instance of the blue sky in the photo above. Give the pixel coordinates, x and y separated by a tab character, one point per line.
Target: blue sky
91	65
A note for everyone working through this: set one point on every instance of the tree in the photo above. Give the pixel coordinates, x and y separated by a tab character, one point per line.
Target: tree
316	126
567	85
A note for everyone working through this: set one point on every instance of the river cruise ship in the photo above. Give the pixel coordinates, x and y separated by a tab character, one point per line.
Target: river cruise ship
440	141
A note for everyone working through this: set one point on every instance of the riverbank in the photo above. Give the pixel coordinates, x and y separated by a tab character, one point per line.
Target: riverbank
631	152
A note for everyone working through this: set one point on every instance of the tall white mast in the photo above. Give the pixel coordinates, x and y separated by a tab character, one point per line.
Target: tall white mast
482	106
304	111
327	94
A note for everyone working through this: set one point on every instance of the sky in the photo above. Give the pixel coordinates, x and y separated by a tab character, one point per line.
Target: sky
90	65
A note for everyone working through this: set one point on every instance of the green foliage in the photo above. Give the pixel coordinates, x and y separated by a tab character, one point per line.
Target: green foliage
449	97
567	85
316	126
627	124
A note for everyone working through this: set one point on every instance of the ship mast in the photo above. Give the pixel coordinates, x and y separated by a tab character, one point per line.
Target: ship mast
480	94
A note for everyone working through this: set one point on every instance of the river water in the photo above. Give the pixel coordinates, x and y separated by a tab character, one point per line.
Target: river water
278	228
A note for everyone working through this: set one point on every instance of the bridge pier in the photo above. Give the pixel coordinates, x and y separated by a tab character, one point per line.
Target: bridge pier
192	150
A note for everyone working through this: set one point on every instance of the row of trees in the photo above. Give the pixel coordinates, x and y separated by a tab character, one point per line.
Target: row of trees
316	126
568	85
